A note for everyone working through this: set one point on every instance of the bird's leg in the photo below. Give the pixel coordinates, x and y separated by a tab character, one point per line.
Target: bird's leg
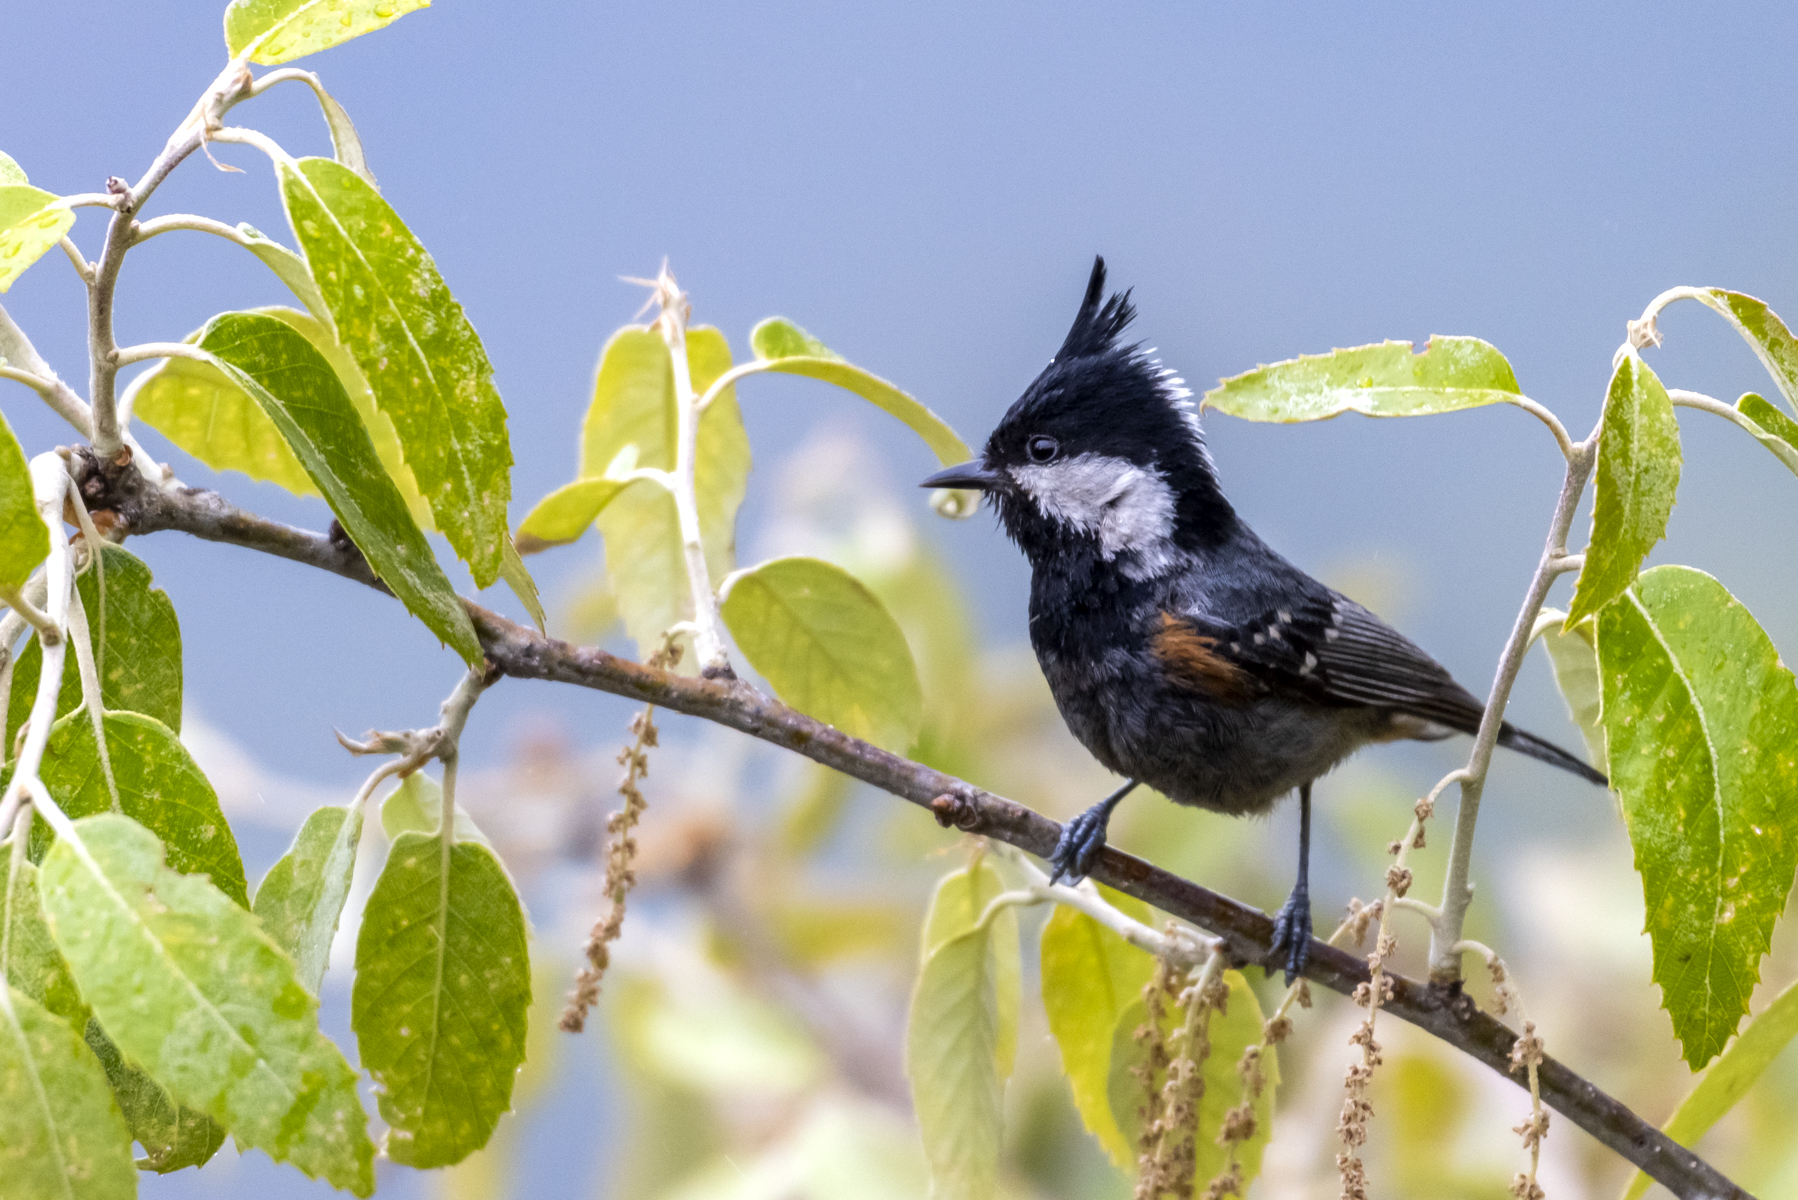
1292	925
1083	838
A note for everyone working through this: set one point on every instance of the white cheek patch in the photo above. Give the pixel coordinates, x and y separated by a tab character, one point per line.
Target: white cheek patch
1125	506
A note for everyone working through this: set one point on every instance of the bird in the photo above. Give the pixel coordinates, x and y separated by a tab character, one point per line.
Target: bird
1183	651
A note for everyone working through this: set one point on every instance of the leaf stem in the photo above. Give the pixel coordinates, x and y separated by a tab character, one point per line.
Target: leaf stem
1457	893
160	225
29	368
78	260
148	350
30	613
1543	414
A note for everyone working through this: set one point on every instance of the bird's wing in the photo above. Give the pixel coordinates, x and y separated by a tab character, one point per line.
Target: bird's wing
1326	649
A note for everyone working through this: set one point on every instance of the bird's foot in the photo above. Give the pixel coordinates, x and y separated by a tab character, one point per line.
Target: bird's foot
1292	936
1081	840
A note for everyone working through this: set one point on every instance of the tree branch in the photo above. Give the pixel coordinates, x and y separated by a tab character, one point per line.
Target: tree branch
521	652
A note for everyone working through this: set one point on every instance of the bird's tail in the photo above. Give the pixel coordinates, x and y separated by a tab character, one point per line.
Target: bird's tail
1528	743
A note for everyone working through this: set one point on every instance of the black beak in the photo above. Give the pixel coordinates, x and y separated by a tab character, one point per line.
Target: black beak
975	474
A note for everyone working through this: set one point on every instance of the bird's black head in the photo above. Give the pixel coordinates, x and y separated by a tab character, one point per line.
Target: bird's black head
1102	452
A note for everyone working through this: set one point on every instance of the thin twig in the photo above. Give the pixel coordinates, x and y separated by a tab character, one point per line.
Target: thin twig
127	201
708	635
1445	963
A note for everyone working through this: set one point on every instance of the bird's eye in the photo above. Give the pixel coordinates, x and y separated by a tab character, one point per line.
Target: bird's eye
1042	448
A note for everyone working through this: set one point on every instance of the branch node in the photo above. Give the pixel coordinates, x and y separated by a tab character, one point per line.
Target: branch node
957	811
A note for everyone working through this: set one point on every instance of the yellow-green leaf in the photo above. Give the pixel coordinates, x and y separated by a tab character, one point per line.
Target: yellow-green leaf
24	538
10	171
566	513
518	578
962	1034
1638	475
31	962
31	222
1701	720
634	409
1382	380
787	348
1090	975
288	267
172	1137
1762	329
828	646
1574	655
61	1138
223	1021
278	31
1773	429
1730	1077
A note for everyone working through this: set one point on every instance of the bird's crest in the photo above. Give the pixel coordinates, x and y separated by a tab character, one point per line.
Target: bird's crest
1100	321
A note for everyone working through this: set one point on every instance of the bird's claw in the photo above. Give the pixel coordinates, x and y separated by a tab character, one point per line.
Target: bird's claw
1081	840
1291	946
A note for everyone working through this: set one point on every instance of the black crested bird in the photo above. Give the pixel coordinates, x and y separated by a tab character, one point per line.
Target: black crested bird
1182	651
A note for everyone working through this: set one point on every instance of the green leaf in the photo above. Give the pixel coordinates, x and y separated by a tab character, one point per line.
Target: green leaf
32	963
278	31
295	385
1701	718
421	356
60	1136
160	787
139	653
1776	431
962	1034
1232	1030
24	538
288	267
518	578
1574	655
1730	1077
416	806
301	898
173	1136
787	348
1762	329
1382	380
1638	474
565	514
634	406
828	646
11	172
223	1021
202	410
31	222
1090	975
443	985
